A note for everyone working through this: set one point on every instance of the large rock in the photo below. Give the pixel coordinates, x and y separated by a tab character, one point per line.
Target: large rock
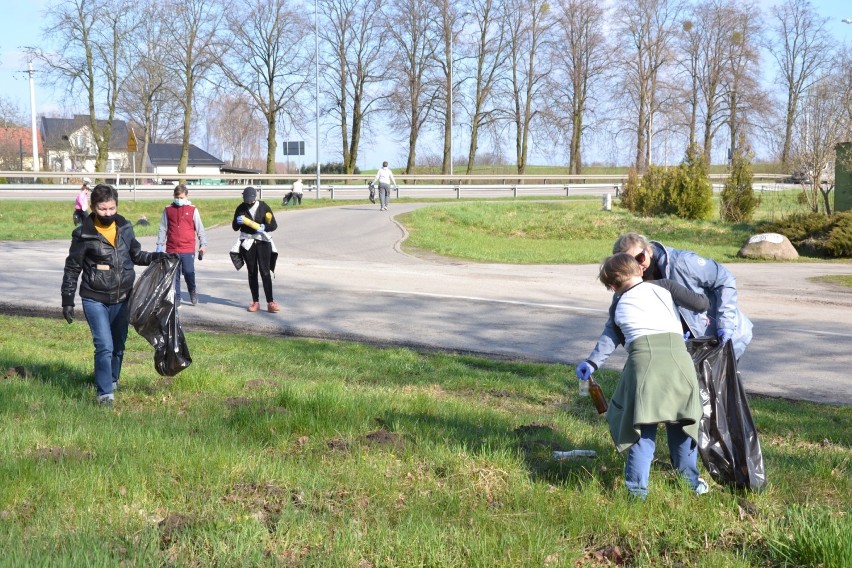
770	246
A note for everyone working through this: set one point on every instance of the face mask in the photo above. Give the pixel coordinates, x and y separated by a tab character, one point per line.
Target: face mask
105	219
180	202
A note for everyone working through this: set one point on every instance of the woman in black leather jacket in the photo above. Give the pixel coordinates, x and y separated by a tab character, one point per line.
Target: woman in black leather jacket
104	249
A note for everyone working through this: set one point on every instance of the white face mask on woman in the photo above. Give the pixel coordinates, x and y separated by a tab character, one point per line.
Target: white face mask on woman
179	201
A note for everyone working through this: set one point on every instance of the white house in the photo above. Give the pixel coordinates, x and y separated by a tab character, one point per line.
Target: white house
69	145
163	160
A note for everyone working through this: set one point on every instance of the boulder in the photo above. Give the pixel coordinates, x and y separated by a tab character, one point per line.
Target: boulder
769	246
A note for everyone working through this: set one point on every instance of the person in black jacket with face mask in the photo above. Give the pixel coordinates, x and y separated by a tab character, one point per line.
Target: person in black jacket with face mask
104	249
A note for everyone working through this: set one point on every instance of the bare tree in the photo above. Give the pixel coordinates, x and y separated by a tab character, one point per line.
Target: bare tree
487	59
194	41
579	63
528	28
270	61
412	25
646	29
356	54
824	121
92	37
147	101
236	126
745	96
801	48
11	113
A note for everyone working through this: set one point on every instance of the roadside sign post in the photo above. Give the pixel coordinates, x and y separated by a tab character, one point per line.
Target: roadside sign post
131	147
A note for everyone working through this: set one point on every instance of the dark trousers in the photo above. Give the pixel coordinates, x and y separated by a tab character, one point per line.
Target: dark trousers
294	196
257	259
187	267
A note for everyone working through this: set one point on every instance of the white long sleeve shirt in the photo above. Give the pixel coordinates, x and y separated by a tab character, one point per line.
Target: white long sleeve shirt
384	175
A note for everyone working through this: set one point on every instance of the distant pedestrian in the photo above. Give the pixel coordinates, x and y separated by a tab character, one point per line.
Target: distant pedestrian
104	248
295	193
180	229
255	220
81	205
384	177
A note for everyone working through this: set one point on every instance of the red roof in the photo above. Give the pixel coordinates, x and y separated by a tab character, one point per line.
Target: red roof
14	135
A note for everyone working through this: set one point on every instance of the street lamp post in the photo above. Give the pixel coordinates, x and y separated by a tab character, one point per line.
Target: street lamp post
316	86
450	86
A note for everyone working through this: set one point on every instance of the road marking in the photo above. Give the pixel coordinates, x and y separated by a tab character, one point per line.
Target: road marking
818	332
477	299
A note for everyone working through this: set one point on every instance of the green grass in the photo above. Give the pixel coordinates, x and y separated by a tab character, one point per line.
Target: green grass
569	231
841	280
283	452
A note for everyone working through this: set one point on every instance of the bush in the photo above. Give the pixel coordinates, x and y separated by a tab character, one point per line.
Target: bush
329	168
815	233
684	191
691	192
630	190
738	201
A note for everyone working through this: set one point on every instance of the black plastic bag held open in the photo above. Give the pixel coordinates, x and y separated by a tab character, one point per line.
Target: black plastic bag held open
727	438
154	315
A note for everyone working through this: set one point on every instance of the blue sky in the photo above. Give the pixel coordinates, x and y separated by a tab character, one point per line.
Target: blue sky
22	23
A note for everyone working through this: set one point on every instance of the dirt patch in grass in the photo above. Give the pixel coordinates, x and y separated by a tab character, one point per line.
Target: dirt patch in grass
605	556
260	384
18	373
534	429
385	439
171	527
338	445
264	500
58	454
237	401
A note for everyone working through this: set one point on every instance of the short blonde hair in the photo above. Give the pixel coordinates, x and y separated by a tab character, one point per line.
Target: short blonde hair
618	269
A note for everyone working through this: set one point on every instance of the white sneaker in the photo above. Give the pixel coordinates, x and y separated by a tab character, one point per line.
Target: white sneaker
702	487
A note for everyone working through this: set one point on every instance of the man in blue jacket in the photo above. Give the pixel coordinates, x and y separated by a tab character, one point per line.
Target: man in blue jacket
700	275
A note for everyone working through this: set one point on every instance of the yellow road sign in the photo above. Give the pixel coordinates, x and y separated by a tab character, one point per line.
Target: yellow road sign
131	141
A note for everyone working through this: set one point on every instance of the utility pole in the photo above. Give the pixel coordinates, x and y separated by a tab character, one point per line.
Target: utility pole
33	116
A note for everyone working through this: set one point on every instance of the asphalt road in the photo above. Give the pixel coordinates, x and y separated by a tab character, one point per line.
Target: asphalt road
342	275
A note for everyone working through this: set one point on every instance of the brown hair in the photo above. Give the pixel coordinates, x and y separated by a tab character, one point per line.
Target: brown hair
618	269
180	189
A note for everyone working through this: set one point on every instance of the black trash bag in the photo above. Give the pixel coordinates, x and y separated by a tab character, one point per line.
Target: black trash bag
372	192
727	437
153	314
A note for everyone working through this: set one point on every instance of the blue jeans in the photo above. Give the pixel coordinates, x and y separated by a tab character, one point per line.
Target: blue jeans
108	323
682	450
187	266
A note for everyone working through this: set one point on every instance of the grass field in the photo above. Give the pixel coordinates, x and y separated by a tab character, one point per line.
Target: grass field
284	452
570	231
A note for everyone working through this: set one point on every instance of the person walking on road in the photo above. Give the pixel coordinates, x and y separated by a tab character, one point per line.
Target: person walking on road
81	204
384	177
180	229
702	275
255	220
104	249
658	383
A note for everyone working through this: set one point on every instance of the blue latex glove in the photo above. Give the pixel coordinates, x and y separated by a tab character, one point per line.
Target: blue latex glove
724	335
687	335
239	219
585	370
261	229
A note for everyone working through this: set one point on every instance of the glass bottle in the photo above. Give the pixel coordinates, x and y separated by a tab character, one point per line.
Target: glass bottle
597	395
